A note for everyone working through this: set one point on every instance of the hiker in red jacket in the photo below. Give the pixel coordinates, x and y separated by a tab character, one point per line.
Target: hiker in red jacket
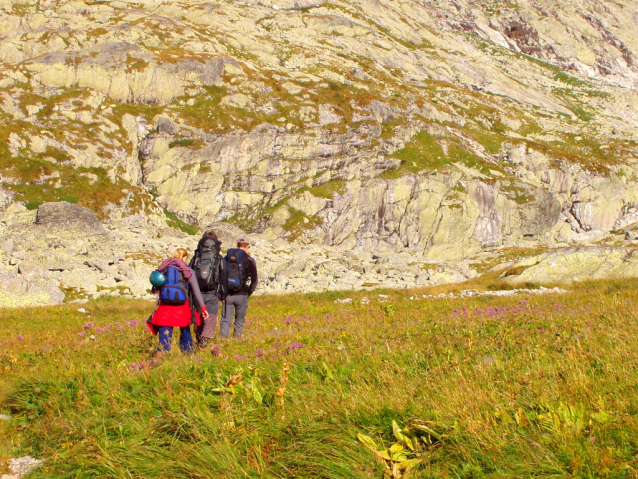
174	308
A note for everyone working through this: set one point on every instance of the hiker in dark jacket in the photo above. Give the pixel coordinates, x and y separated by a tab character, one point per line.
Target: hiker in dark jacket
214	287
237	301
166	316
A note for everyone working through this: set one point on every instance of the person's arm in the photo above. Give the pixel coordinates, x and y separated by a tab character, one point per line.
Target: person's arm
252	274
197	294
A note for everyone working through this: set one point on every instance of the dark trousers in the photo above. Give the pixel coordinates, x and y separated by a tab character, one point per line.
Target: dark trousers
237	304
165	334
206	329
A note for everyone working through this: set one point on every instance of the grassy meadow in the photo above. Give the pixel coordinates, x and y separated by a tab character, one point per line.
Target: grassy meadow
333	385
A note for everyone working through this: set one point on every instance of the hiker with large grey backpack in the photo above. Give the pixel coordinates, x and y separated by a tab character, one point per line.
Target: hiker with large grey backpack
242	281
210	270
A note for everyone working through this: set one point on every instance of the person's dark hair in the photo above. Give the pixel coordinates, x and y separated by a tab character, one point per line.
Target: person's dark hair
212	234
242	242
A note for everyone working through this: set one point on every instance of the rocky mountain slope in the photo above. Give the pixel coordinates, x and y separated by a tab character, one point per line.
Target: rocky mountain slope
439	131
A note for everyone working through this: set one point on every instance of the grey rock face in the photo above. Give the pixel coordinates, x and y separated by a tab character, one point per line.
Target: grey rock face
6	198
18	290
576	264
166	125
63	218
227	233
119	264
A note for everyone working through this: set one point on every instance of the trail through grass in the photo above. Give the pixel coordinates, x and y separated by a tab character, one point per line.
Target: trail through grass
517	386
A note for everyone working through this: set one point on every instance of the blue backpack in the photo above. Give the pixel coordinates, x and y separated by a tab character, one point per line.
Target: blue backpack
235	259
175	291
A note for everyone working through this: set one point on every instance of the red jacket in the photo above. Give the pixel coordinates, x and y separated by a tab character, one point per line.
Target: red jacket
175	316
179	316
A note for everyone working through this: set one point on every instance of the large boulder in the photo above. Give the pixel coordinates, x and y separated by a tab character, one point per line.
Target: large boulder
17	291
6	198
63	219
567	265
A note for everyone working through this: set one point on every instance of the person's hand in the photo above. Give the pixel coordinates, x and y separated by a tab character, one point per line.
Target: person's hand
205	315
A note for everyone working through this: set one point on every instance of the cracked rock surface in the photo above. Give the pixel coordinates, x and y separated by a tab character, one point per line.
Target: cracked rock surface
428	133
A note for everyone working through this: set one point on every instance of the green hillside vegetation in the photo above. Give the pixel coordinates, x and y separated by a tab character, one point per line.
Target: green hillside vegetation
333	385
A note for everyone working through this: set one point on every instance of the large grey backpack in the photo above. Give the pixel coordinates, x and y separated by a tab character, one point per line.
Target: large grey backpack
206	263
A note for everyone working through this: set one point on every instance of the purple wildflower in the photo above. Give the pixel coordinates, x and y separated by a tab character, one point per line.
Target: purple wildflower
259	352
143	365
82	334
249	322
216	350
89	325
294	346
21	337
238	357
276	344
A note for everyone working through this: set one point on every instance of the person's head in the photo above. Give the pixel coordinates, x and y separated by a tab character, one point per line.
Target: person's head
243	243
212	234
180	253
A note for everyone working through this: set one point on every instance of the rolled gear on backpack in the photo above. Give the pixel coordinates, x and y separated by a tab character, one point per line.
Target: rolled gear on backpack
157	279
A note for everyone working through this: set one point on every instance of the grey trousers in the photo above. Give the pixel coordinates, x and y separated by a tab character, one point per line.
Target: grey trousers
237	304
207	328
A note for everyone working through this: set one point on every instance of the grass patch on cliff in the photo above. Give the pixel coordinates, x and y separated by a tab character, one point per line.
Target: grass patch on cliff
422	152
519	386
585	151
88	187
425	152
298	223
174	222
326	190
